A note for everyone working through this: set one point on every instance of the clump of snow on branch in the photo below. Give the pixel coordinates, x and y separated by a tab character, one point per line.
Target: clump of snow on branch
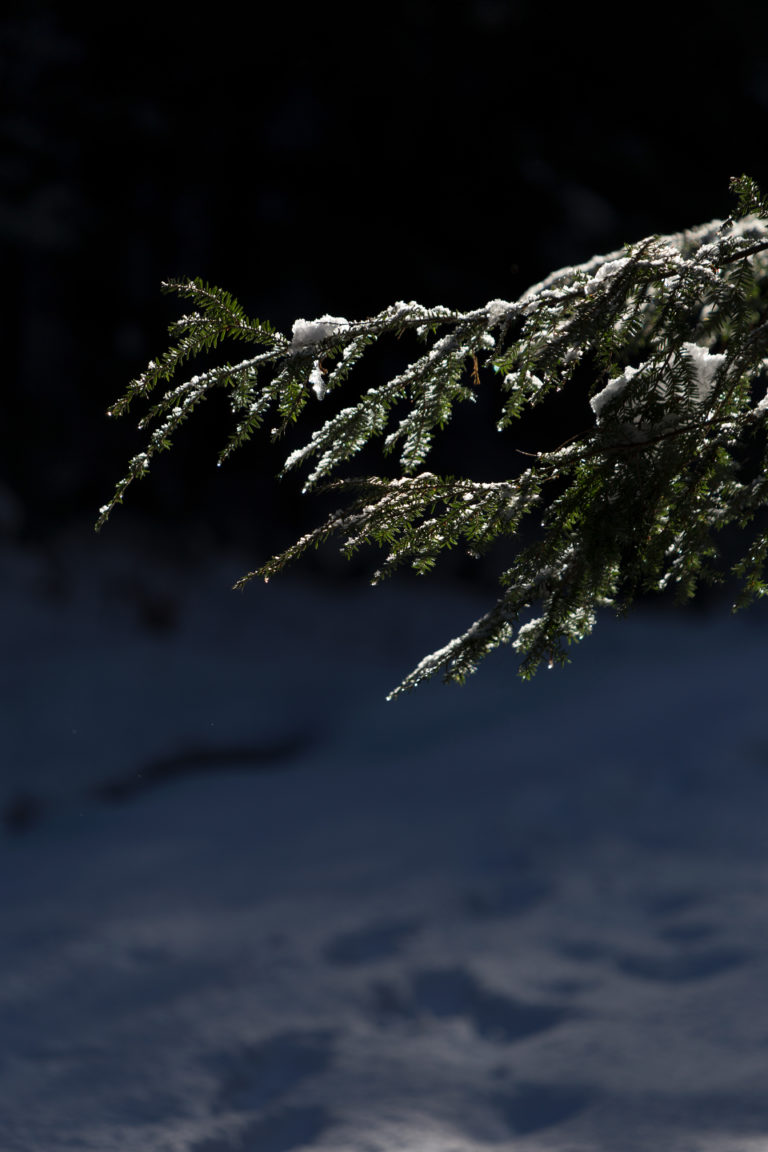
605	272
705	363
308	332
317	380
613	390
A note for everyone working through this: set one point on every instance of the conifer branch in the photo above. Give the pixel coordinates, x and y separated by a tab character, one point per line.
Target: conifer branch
669	338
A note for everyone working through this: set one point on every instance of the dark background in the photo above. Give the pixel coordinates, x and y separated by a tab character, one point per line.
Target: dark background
314	159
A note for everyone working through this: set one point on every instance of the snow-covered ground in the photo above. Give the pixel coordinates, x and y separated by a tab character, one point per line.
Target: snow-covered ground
246	905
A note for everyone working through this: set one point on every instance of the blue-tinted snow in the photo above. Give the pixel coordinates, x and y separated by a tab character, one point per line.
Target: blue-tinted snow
249	905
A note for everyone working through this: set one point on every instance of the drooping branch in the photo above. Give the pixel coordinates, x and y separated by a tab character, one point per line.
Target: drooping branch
672	334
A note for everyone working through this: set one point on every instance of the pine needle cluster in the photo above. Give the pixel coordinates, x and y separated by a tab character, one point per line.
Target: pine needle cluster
670	335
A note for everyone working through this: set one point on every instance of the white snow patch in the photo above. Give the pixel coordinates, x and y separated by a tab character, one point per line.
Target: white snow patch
612	391
318	381
498	310
706	364
605	272
306	332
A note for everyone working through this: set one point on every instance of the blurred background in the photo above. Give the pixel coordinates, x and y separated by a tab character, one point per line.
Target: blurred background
314	159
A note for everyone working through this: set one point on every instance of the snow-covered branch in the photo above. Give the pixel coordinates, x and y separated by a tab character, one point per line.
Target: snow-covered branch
669	338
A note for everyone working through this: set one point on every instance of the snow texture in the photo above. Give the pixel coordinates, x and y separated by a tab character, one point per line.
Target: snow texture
605	272
499	310
247	906
318	381
308	332
613	390
706	365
